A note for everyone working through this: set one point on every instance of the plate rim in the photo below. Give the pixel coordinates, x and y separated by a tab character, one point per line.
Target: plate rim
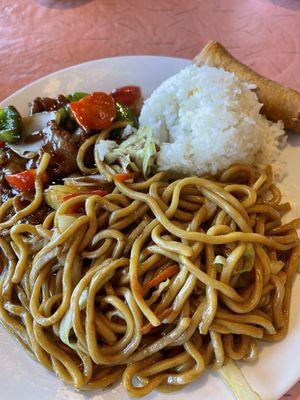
86	63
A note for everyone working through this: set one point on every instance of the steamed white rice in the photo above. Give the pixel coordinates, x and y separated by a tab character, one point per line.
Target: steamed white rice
205	119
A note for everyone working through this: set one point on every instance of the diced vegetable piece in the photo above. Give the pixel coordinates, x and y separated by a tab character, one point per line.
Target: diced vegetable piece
125	114
96	111
24	181
234	378
129	96
124	176
10	124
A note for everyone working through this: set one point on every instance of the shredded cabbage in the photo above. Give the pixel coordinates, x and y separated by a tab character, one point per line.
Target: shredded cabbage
137	151
234	378
248	261
276	266
104	148
66	322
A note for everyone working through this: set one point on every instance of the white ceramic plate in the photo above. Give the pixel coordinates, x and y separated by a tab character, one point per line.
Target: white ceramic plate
278	367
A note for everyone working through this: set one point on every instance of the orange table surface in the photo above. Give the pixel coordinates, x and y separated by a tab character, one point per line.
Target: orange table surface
38	37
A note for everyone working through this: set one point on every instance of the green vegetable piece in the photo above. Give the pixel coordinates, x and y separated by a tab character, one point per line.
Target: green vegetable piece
125	114
66	120
76	96
10	124
249	260
64	113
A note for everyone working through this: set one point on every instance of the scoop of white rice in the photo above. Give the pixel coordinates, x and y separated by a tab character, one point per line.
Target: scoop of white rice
206	119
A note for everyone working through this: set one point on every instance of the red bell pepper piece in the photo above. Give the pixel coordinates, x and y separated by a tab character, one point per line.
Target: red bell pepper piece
95	111
124	176
24	181
129	96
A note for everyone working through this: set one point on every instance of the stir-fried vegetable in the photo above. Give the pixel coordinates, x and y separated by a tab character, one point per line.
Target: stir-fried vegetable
24	181
126	114
31	139
247	261
67	120
234	378
38	121
163	275
10	124
123	177
138	151
276	266
95	111
55	195
93	180
65	325
129	96
220	262
64	221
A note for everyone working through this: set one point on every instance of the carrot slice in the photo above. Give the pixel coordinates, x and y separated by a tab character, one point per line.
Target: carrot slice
162	276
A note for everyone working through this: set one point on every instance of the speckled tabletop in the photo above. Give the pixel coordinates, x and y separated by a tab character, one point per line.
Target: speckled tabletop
38	37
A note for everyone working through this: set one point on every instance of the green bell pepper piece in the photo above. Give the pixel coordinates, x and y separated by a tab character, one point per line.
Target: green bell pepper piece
10	124
76	96
125	114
